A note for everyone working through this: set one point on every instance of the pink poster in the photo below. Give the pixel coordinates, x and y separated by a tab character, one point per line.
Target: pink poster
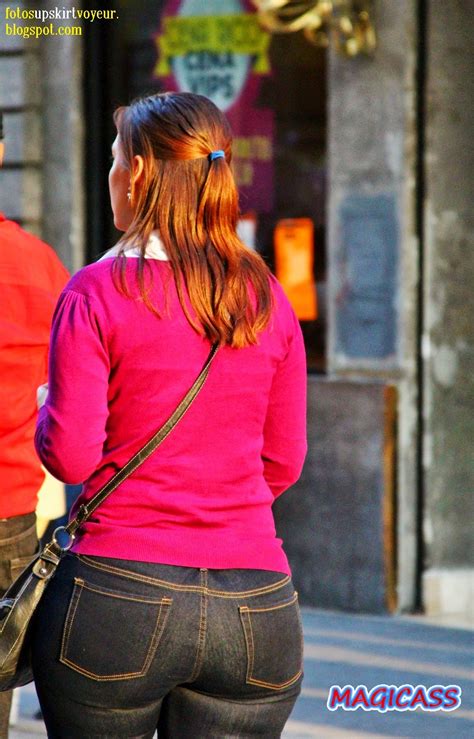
217	48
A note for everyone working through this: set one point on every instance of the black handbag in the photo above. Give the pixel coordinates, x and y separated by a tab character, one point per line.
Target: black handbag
18	605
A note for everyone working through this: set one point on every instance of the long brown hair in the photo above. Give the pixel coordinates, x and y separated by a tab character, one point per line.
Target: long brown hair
193	202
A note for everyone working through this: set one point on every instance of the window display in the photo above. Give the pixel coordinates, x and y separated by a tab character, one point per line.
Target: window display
273	91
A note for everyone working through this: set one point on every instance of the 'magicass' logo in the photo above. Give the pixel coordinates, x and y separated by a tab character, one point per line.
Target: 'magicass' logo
392	698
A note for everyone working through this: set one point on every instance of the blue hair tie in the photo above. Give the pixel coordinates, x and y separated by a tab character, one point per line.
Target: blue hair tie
216	155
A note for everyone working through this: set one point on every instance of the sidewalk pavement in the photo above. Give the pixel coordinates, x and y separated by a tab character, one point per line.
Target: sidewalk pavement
344	649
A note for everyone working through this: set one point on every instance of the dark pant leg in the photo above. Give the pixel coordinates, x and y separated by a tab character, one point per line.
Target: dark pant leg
120	647
249	672
111	639
18	544
187	713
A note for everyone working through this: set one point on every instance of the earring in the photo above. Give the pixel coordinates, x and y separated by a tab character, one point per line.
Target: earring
129	195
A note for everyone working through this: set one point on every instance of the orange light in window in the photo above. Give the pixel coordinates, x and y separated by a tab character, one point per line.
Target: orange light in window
294	258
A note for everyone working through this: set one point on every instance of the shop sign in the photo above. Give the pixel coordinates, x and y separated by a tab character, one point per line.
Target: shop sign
294	257
217	48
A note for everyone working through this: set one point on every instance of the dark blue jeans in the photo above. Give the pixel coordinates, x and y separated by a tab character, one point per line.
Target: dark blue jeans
124	648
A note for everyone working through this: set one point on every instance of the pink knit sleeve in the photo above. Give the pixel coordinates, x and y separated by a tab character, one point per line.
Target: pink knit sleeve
71	425
285	445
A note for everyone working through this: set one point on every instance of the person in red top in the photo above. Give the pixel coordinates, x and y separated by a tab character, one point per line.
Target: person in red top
31	279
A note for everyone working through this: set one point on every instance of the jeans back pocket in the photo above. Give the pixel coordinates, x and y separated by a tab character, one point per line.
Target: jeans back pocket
111	635
274	640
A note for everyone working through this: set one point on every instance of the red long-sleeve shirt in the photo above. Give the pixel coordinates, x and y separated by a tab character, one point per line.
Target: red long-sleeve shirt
203	499
31	279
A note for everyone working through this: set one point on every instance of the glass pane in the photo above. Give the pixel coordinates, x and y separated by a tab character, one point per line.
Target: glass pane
273	90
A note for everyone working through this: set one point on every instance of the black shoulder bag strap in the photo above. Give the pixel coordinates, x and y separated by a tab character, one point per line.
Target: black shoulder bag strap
55	548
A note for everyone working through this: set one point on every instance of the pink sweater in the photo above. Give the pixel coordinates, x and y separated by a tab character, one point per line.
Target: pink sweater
116	373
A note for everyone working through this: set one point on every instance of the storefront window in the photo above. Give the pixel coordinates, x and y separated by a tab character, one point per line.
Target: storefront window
272	88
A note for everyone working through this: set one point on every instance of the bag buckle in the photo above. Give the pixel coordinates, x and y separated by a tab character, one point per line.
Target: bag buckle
63	547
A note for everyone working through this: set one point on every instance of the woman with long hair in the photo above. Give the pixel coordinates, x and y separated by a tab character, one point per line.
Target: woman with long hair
174	609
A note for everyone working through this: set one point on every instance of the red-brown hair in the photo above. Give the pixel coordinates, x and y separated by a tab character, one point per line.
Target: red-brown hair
193	202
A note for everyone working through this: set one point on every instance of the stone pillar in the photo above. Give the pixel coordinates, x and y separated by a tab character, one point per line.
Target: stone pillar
448	340
63	134
372	248
20	194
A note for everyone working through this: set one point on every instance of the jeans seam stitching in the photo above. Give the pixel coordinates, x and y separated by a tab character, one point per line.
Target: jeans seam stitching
185	588
157	633
102	678
71	612
245	612
248	593
202	628
276	686
276	607
248	635
120	596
